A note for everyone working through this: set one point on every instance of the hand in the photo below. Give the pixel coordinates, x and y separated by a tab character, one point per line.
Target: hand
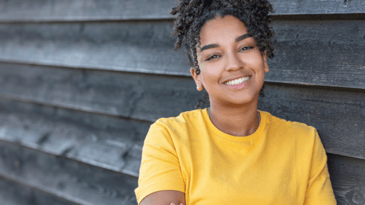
175	204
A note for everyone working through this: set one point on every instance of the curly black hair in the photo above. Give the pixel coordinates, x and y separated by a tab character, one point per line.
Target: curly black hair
193	14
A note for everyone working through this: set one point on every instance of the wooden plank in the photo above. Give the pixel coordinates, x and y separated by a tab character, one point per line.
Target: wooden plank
121	46
336	113
300	7
322	52
328	53
103	141
348	179
346	175
12	193
139	96
101	10
65	178
84	10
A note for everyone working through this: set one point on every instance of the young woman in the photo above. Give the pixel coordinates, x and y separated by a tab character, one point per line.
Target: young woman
230	153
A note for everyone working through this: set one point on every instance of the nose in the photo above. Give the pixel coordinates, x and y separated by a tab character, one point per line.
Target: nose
233	62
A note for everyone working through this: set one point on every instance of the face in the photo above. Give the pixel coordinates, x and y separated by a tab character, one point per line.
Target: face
232	68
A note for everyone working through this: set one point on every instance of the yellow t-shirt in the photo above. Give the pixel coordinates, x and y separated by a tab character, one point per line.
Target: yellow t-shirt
282	163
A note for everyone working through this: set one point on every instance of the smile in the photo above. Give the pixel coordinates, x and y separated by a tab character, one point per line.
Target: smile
237	81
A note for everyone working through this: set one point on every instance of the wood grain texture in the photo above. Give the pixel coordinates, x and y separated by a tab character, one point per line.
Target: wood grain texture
64	178
300	7
326	53
346	173
97	10
103	141
348	179
129	95
346	176
13	193
84	10
321	52
122	46
336	113
20	123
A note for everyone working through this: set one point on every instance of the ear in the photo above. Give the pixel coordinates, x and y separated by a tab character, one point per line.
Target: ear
199	85
264	58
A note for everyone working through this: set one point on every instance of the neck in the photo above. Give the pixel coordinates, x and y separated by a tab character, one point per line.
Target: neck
235	120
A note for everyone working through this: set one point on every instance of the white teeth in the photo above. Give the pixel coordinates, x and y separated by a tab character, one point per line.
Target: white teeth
237	81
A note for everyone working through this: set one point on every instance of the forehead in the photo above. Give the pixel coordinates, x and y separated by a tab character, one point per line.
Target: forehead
220	30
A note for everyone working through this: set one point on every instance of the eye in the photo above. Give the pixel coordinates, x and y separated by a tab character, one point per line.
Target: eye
246	48
213	56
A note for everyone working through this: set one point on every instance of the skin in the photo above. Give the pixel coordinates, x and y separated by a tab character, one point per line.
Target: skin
233	111
226	54
167	197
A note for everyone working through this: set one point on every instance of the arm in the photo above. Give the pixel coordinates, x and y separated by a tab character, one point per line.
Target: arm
160	178
319	190
164	198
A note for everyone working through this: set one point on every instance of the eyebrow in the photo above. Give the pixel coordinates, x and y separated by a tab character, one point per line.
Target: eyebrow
208	47
239	38
244	36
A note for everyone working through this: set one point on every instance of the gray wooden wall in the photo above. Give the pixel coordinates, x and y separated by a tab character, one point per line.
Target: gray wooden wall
82	80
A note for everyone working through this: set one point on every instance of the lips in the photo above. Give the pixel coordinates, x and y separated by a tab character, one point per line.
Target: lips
237	81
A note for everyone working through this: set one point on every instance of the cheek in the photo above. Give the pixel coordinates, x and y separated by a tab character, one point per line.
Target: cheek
202	72
211	74
255	61
201	67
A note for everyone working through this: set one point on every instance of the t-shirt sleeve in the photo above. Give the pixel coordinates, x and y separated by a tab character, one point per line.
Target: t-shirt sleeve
319	190
160	168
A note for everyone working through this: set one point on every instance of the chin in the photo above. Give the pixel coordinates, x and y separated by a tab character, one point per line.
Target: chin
240	102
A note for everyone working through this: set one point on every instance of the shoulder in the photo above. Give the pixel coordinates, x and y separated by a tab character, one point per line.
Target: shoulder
290	128
176	127
292	135
183	120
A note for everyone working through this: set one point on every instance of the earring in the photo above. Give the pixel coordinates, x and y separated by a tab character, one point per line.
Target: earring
198	86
